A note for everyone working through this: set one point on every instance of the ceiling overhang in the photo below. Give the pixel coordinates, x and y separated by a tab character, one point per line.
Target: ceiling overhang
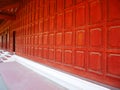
8	9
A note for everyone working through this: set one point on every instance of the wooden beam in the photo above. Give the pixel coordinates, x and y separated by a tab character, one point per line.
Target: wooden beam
10	6
6	16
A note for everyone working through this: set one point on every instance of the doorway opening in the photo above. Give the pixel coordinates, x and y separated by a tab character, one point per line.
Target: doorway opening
2	42
6	42
14	39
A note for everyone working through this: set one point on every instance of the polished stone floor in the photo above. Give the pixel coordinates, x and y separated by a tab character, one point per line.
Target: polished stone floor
14	76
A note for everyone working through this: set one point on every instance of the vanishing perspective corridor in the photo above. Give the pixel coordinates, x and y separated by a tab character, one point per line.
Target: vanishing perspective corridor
59	44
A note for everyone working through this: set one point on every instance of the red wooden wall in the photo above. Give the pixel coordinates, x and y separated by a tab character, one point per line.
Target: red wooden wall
78	36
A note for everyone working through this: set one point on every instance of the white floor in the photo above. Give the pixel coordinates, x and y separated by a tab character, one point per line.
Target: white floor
64	80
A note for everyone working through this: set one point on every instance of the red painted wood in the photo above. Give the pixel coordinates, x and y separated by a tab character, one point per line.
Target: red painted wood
78	36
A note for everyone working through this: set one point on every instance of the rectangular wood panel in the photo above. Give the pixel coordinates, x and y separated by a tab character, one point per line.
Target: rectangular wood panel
113	10
96	37
114	37
51	54
68	38
58	55
80	59
68	57
113	65
60	20
95	11
51	39
52	24
95	62
80	16
45	39
59	39
60	5
68	19
68	3
52	7
80	38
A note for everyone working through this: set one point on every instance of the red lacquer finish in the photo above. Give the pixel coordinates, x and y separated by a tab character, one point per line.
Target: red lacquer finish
78	36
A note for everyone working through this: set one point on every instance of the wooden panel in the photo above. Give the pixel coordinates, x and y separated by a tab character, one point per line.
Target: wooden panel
46	25
36	51
59	39
68	38
40	39
51	39
52	24
32	40
46	8
113	10
28	40
80	38
114	37
79	59
28	51
58	55
52	7
60	22
95	11
78	1
96	37
80	16
41	12
51	54
40	26
36	40
40	52
113	65
60	5
68	19
68	57
32	51
36	15
68	3
41	3
45	39
95	62
45	53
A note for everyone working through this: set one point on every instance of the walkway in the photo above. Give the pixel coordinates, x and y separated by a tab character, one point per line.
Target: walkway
17	73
